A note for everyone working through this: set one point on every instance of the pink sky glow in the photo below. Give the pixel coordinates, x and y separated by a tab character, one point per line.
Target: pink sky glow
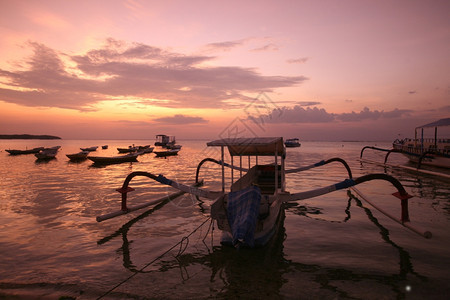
316	70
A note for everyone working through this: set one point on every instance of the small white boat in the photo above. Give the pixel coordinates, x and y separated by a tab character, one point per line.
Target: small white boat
47	153
93	148
130	157
78	156
165	153
292	142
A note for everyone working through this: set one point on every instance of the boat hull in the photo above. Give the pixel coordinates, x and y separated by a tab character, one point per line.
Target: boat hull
429	160
78	156
438	159
113	159
28	151
166	153
266	230
47	153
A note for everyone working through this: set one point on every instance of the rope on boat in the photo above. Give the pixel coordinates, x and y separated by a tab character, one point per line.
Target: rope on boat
180	243
424	233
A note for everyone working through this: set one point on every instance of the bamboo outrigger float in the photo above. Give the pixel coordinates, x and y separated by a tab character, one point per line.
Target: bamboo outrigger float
249	213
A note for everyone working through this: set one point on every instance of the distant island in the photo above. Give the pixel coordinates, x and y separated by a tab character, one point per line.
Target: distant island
28	137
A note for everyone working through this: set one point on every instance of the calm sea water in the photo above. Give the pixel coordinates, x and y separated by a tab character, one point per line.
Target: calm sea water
329	247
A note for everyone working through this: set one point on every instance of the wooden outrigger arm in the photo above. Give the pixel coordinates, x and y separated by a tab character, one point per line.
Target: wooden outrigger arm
285	196
125	189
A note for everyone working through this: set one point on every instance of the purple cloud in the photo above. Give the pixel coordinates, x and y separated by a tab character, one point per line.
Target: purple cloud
181	120
120	70
298	114
301	60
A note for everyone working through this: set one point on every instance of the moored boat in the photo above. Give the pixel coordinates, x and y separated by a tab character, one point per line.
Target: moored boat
164	140
165	153
433	151
47	153
174	147
89	149
130	157
26	151
145	149
251	211
127	150
78	156
295	142
105	147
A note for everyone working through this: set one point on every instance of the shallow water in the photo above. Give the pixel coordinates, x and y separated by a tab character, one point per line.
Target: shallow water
328	247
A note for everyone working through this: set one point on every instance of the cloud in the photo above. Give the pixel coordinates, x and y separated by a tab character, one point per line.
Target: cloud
298	114
124	70
308	103
267	47
367	114
181	120
225	46
301	60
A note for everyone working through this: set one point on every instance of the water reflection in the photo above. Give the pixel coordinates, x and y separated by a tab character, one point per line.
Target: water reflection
123	231
263	272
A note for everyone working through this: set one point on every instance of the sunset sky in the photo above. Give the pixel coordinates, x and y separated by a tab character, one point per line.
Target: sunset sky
316	70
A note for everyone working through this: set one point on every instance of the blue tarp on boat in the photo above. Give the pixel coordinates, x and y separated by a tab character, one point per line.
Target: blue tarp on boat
243	211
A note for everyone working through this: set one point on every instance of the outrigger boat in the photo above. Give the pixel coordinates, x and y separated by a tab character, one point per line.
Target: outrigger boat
89	149
105	160
434	152
26	151
130	149
249	213
428	151
78	156
165	153
47	153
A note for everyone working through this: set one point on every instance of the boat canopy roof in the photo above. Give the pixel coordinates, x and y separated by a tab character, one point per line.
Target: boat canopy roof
441	122
257	146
